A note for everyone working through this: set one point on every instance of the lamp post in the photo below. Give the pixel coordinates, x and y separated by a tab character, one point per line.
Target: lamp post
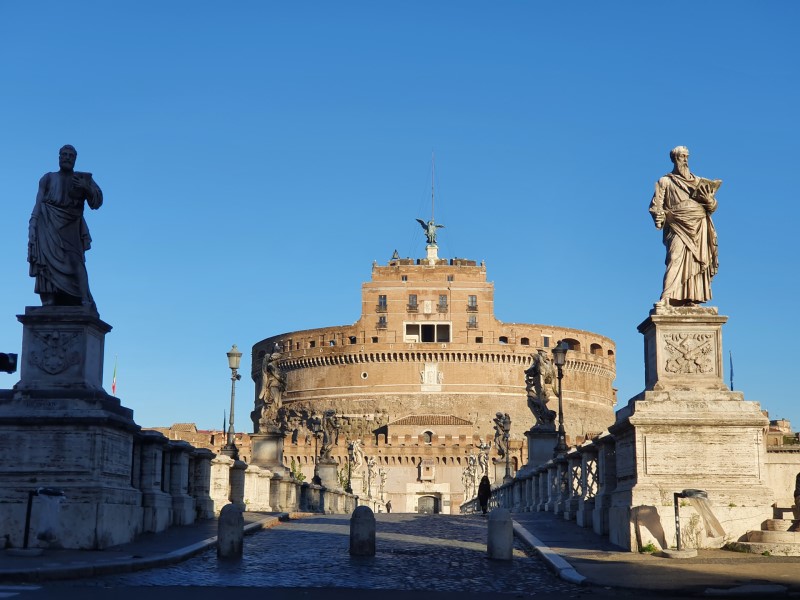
234	358
559	359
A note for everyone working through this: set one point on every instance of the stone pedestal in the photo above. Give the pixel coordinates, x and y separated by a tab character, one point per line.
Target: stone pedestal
686	430
267	452
60	429
540	447
328	473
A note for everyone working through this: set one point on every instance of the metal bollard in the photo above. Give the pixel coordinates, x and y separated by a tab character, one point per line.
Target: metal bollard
230	532
500	544
362	532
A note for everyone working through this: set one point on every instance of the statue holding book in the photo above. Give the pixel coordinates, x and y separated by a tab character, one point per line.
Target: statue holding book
682	206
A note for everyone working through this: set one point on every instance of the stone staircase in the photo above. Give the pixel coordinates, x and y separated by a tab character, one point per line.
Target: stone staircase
777	537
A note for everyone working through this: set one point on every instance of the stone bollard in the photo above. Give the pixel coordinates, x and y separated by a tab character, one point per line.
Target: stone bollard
500	544
230	532
362	532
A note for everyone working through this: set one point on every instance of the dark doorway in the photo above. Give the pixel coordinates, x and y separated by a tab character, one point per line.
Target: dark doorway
428	505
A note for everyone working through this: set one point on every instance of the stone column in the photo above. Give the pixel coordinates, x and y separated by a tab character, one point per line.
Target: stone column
221	481
156	502
237	483
183	505
588	453
606	481
201	482
574	487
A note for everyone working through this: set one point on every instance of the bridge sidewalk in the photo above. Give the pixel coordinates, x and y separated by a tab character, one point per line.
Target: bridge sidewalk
147	551
581	556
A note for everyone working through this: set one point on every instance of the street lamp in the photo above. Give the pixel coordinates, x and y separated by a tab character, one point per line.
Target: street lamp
560	359
234	358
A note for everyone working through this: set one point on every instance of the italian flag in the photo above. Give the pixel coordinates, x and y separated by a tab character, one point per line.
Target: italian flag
114	378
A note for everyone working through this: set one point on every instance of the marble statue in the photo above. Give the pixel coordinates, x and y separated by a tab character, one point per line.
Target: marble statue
330	433
372	471
539	384
58	236
430	230
356	455
483	457
682	206
502	429
269	403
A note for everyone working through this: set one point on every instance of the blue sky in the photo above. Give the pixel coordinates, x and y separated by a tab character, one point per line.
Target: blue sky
256	157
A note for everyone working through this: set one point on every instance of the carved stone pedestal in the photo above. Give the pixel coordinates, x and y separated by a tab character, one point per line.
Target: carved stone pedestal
267	452
329	473
687	431
60	429
540	447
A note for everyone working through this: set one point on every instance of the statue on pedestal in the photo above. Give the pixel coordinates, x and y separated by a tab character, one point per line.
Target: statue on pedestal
430	230
58	236
539	382
330	433
483	457
268	406
356	455
682	206
502	429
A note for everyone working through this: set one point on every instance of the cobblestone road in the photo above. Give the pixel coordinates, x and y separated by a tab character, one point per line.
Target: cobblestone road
414	552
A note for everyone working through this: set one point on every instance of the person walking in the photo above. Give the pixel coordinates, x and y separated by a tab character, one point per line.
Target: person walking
484	492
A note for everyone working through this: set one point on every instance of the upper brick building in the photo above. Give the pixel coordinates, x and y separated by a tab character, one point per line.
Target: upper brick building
428	343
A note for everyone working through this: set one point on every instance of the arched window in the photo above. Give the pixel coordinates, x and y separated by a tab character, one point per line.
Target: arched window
596	349
427	437
503	339
525	342
572	344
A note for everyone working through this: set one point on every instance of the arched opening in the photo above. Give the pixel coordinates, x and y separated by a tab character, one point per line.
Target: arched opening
428	505
572	344
596	349
525	342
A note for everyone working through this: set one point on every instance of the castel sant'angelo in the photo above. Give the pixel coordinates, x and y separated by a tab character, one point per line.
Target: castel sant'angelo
418	380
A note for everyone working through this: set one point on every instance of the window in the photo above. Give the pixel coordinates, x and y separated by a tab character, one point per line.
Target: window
375	339
403	277
332	343
546	341
596	349
449	278
381	322
479	340
381	303
442	303
352	339
427	437
427	333
572	344
472	303
525	342
503	339
312	344
412	303
472	323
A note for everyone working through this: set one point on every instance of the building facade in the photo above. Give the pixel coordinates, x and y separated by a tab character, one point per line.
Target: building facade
421	375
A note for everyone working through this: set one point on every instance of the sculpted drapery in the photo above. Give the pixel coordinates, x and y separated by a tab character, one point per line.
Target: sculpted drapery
682	205
58	236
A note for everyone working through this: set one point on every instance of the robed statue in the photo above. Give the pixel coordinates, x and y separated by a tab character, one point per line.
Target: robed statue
58	236
539	385
682	206
265	416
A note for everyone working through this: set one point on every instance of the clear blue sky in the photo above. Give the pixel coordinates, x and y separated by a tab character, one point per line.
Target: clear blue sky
256	157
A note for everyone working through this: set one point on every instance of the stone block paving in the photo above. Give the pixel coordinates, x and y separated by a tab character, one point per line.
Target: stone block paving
413	552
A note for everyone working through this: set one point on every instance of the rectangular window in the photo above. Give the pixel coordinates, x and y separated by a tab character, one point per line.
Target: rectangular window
472	323
412	302
427	333
442	302
381	303
546	341
449	278
381	322
472	303
403	277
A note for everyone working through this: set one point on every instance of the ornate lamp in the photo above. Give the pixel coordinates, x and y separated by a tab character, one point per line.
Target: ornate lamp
234	359
560	359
